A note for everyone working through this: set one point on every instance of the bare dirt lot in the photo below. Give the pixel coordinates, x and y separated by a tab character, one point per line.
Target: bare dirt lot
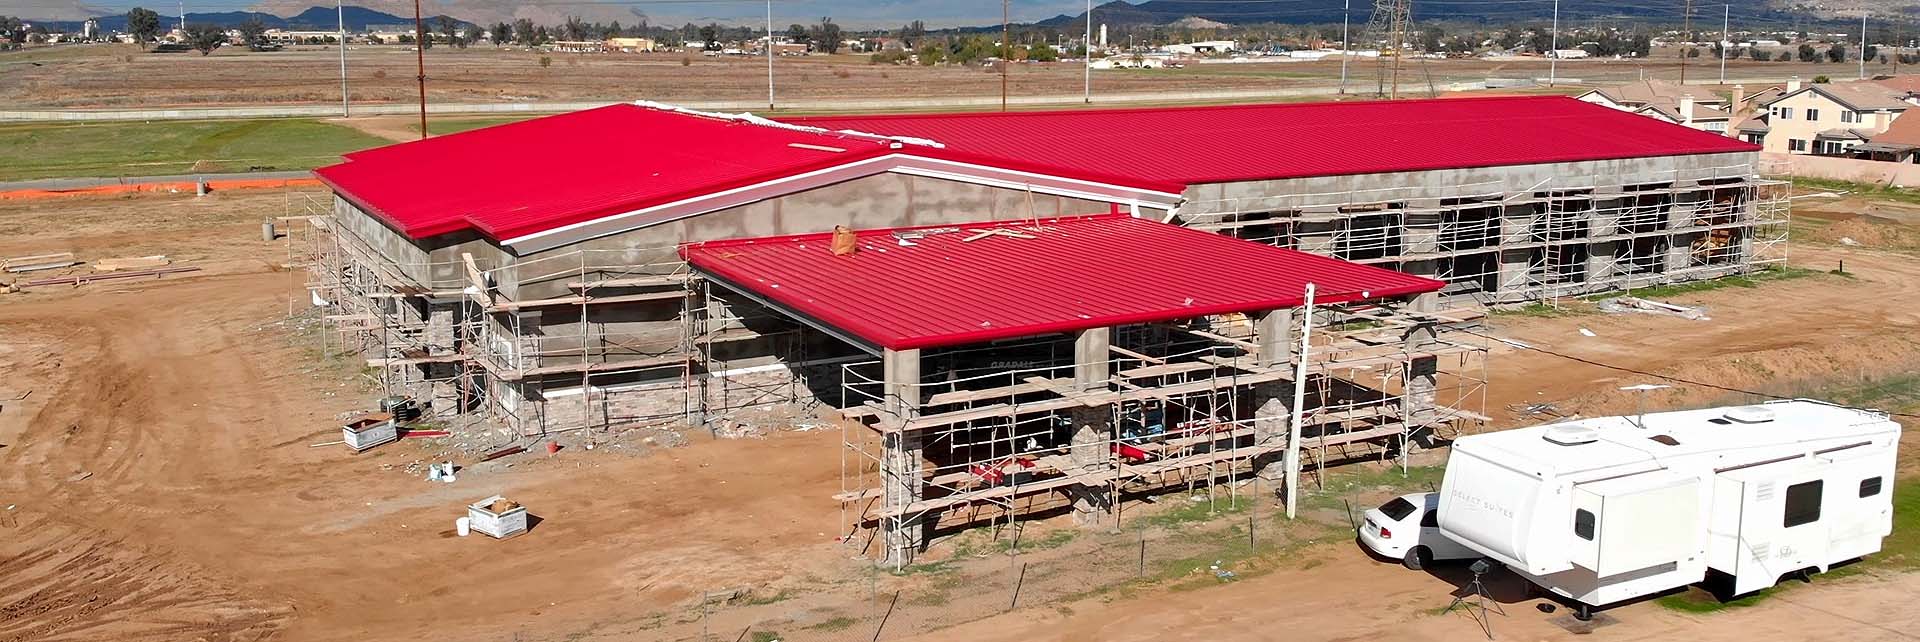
157	483
123	76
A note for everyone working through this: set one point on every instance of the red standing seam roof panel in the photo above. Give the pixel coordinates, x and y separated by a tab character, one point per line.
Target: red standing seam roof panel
537	175
1193	145
1077	273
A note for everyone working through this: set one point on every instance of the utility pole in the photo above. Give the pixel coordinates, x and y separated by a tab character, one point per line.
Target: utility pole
1724	36
340	13
1006	53
769	55
1346	42
1686	31
1087	54
420	60
1553	57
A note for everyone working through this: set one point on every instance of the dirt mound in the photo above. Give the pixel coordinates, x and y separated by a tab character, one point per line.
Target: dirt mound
1867	232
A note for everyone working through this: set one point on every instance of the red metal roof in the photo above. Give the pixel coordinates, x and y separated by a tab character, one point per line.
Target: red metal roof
540	175
1190	145
545	173
1075	273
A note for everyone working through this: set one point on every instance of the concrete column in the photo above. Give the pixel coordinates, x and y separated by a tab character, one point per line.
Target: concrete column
1422	372
1092	356
1513	273
1092	427
1421	230
900	470
1599	257
1679	252
1272	416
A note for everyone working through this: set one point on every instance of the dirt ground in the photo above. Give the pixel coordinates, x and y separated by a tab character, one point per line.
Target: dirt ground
158	481
123	76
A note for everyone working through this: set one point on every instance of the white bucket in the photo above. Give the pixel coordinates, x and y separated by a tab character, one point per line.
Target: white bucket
462	526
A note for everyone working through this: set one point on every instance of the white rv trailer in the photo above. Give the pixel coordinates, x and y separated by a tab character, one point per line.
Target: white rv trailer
1612	508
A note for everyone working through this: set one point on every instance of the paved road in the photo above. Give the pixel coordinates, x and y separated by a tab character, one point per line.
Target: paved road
830	104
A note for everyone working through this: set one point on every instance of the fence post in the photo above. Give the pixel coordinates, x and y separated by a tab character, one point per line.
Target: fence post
889	615
1016	587
1143	552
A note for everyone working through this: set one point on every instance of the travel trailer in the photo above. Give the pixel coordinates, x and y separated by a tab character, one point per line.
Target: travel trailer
1609	509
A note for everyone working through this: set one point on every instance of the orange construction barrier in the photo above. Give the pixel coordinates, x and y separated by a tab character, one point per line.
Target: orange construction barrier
169	186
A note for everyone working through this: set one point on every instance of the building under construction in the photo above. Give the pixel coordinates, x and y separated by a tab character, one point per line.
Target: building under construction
1018	312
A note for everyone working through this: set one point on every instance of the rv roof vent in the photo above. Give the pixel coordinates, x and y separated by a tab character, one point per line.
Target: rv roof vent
1749	415
1571	435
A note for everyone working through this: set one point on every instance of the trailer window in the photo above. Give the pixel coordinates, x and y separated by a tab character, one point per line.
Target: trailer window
1869	486
1803	503
1397	509
1583	524
1430	520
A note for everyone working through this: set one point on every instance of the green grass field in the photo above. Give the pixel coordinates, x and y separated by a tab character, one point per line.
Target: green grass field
162	148
446	126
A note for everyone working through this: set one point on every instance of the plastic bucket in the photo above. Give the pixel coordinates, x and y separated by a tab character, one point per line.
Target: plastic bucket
462	526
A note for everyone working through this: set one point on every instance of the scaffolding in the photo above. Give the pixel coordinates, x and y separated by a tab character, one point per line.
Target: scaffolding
1563	236
1000	430
586	339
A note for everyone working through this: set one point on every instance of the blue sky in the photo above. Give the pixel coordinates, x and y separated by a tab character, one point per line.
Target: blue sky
858	13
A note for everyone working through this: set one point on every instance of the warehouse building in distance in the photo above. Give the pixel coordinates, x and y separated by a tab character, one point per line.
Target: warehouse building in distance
1015	312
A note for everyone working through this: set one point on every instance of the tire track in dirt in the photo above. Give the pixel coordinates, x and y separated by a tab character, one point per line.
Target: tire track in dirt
115	451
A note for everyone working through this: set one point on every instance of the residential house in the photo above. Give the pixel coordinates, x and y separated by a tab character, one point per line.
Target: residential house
1899	144
1829	118
1674	103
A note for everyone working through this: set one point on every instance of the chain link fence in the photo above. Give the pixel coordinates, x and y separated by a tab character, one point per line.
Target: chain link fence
1185	541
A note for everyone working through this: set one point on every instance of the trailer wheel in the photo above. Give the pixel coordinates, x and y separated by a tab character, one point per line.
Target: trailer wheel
1417	558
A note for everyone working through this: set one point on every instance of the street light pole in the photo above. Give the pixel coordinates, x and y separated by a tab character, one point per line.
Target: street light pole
340	13
1553	57
1863	46
1086	54
1724	36
769	55
1346	44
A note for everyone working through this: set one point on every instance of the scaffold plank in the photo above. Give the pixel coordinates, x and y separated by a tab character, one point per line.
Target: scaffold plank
507	306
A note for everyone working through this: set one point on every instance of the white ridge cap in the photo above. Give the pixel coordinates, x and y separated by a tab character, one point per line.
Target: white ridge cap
748	117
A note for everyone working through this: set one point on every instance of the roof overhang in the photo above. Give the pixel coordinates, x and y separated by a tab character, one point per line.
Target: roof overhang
899	163
1892	148
961	284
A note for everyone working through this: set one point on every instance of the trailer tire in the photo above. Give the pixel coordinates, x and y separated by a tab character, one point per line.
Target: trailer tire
1417	558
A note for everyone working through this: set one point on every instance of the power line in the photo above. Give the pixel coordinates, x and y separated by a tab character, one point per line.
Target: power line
1664	377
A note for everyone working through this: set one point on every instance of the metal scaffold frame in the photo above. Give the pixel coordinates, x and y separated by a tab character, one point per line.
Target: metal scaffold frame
1185	406
450	332
1563	236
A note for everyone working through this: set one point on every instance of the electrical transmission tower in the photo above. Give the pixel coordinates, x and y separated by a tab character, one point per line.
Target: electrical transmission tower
1390	28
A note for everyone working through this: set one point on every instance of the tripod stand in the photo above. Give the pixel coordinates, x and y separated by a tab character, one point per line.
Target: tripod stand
1475	596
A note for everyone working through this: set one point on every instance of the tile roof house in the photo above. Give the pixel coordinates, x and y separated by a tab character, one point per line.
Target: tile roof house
1693	107
1900	143
1828	118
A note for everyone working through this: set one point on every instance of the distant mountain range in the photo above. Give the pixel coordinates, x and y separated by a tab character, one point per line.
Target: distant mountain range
313	19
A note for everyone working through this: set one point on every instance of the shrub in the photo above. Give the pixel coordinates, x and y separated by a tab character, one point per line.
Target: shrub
546	61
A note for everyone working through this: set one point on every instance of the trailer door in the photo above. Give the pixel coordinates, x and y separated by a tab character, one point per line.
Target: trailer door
1784	521
1860	509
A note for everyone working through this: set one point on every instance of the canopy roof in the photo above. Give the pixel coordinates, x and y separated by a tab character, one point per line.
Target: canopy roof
909	288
